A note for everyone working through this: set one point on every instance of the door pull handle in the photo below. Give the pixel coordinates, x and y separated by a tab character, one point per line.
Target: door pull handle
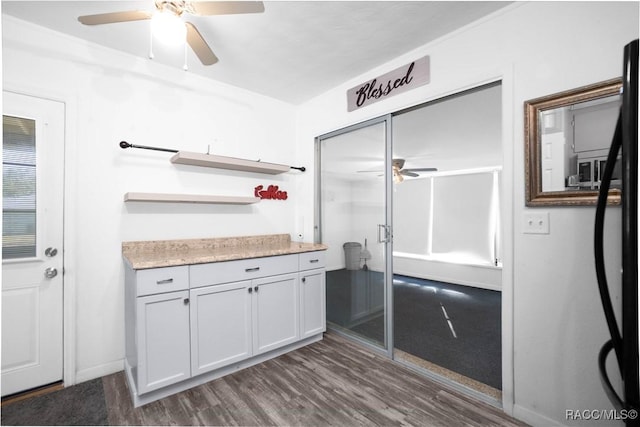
386	232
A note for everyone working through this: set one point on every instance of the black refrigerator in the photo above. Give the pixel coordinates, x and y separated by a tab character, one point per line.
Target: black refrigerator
624	332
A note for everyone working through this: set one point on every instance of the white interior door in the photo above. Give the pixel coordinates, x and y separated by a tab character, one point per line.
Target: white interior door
553	159
32	238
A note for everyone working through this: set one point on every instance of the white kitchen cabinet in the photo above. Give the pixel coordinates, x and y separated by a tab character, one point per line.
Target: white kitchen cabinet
234	321
312	302
242	269
275	312
163	340
312	293
157	327
189	324
220	325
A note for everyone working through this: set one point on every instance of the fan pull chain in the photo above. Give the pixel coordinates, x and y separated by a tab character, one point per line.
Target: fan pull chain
186	68
150	42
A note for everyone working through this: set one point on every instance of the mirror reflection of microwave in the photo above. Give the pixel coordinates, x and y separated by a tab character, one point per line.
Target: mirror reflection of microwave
591	170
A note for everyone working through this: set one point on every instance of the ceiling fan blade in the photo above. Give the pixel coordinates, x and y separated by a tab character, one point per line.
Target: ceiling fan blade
200	46
408	173
225	7
113	17
422	169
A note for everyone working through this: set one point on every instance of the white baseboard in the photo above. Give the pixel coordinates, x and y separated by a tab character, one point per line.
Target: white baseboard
533	418
99	371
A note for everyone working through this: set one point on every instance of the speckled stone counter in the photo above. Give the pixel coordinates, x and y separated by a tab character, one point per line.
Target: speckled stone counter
167	253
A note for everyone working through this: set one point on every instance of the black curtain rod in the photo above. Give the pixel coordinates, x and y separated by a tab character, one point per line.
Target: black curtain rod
125	144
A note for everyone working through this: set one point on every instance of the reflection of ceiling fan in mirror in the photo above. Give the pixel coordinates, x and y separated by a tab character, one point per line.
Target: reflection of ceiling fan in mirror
399	173
165	20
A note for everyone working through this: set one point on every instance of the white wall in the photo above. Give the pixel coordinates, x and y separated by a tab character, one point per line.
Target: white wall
553	325
112	97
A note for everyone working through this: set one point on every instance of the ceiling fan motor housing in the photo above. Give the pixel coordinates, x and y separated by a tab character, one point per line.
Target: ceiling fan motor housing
175	7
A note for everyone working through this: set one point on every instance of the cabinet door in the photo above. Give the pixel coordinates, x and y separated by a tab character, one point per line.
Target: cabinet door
312	303
163	340
275	312
220	325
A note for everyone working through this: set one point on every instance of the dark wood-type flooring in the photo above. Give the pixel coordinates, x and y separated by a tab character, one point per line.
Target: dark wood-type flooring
332	382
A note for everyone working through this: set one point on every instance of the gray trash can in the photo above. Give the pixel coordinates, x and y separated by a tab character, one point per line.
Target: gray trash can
352	255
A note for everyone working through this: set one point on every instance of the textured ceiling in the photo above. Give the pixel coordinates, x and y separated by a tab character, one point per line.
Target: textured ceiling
293	51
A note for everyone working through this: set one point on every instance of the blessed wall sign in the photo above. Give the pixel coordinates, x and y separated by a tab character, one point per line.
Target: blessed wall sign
392	83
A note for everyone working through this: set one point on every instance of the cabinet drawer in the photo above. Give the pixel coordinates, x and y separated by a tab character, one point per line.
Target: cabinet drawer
243	269
311	260
159	280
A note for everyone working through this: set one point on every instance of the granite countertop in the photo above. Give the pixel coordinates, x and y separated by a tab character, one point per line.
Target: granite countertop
168	253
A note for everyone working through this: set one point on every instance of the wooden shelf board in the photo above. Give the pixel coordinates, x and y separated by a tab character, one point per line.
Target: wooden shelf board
189	198
222	162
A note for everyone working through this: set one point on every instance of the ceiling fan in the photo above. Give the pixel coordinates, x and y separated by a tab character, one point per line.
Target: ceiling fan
399	173
174	10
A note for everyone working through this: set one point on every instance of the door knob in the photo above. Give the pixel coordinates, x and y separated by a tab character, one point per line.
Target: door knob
50	273
51	252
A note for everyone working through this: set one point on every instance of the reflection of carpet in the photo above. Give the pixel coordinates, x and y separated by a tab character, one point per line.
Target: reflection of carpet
81	404
421	329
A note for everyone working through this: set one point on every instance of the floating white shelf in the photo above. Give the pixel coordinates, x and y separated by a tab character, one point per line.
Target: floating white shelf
222	162
189	198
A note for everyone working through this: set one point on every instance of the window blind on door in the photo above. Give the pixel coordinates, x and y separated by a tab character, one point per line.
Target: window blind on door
18	188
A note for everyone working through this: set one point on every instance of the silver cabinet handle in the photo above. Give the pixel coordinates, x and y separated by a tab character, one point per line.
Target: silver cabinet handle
250	290
164	282
251	270
313	261
50	273
255	289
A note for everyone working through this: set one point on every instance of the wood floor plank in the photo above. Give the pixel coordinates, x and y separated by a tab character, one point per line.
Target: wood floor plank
333	382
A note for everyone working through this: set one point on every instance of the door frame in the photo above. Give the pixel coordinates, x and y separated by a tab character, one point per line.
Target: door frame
69	295
388	253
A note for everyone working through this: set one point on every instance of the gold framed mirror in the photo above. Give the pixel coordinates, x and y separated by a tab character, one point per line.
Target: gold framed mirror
567	139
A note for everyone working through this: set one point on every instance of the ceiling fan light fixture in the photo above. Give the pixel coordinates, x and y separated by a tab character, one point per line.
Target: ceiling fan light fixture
168	28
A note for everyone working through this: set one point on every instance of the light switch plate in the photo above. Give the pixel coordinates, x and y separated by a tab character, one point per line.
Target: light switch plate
536	223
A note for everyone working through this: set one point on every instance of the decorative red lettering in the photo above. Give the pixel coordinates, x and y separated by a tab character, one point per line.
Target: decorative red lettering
271	193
